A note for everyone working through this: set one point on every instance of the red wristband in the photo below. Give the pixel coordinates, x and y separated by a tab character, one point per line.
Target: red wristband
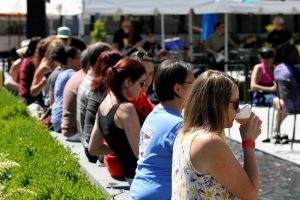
248	143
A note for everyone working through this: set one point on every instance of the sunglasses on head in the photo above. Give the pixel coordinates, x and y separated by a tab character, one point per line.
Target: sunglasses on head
145	56
236	104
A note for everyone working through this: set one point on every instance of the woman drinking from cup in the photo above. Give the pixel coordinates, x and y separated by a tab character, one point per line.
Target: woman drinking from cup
204	167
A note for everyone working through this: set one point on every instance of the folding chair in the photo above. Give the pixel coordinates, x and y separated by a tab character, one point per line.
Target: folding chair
286	92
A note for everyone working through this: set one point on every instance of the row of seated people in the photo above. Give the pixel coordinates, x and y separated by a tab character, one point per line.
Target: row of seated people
105	100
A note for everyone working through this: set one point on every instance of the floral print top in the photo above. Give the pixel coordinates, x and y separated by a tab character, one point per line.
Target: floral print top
187	182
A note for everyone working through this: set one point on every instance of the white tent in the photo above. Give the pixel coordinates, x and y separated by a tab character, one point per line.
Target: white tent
56	7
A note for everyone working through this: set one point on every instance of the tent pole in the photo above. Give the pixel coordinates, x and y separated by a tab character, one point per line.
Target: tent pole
226	41
191	34
81	21
162	21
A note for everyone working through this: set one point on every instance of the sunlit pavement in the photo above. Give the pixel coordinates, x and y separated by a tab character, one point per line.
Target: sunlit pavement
279	166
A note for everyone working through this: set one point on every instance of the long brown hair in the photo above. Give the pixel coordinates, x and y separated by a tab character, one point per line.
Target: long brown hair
106	59
207	104
125	68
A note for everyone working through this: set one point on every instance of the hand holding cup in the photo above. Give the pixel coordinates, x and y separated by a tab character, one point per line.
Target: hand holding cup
242	117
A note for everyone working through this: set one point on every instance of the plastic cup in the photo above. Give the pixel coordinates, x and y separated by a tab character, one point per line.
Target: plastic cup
242	117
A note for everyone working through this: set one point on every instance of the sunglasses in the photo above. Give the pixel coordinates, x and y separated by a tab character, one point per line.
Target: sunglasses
236	104
145	56
142	83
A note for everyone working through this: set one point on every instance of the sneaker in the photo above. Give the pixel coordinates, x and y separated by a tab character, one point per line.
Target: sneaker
266	140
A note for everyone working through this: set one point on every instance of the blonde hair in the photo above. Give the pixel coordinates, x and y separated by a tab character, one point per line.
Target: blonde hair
207	103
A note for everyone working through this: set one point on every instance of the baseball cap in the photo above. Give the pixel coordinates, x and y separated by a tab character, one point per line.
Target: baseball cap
24	46
63	32
278	20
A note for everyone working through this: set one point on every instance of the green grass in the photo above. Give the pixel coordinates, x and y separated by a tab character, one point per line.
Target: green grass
47	168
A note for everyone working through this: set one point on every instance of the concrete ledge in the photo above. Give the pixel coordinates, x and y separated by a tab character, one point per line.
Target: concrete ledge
98	175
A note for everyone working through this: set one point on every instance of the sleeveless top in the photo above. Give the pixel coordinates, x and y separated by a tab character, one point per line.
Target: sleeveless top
266	79
187	182
117	140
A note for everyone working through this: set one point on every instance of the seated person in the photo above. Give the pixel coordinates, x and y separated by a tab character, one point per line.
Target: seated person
117	121
214	45
262	79
151	45
68	121
172	83
70	63
287	71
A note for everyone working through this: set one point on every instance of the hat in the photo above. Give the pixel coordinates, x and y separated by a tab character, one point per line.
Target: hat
278	20
266	53
63	32
24	45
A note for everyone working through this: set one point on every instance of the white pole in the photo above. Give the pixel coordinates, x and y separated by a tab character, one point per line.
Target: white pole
162	19
81	21
226	42
191	34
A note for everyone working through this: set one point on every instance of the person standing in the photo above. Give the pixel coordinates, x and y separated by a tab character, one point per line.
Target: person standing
126	39
279	38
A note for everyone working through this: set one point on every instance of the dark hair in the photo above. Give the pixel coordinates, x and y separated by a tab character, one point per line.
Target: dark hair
125	68
207	104
106	59
95	50
167	75
32	46
71	52
59	54
218	24
287	52
266	53
84	59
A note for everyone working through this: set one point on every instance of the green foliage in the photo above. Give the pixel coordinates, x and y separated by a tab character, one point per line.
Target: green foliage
46	167
99	33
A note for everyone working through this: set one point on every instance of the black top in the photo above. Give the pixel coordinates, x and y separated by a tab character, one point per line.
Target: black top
117	140
279	39
94	100
126	40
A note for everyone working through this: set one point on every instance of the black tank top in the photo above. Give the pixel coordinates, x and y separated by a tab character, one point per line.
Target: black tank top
118	142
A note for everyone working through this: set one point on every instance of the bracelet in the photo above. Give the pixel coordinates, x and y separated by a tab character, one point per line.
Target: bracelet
248	143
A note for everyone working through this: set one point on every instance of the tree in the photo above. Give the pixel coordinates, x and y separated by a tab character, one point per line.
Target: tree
99	33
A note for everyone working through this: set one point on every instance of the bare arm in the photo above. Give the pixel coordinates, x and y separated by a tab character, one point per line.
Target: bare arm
96	145
256	77
15	70
130	122
210	154
39	81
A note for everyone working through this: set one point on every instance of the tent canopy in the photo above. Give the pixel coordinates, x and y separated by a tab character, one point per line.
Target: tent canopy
167	7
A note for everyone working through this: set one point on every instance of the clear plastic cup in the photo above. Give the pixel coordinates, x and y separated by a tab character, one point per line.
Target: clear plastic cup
242	117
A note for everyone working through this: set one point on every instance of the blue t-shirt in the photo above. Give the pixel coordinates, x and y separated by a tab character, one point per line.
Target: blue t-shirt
56	112
153	174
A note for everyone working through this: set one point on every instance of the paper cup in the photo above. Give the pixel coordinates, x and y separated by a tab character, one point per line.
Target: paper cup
242	117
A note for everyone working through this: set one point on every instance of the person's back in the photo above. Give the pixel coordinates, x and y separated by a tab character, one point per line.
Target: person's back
184	175
288	71
153	174
68	123
60	83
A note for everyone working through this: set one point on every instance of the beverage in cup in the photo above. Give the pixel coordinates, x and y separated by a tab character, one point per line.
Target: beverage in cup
242	117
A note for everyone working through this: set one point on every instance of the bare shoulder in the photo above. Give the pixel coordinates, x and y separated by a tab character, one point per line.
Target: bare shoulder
127	107
209	144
